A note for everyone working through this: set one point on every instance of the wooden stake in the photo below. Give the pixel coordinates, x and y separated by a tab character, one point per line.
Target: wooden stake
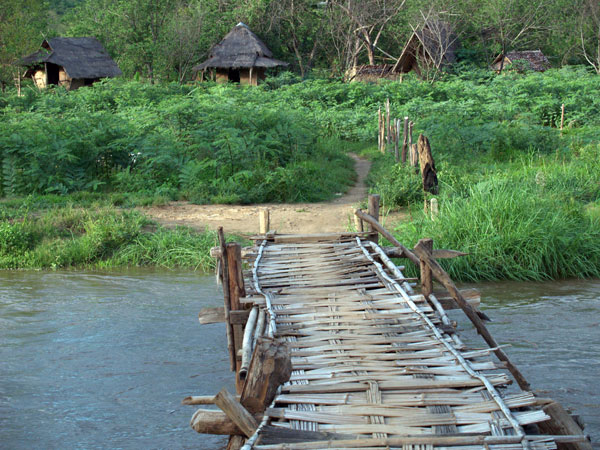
387	123
426	278
236	291
434	208
264	221
562	117
396	139
226	297
423	253
358	224
374	212
405	140
236	412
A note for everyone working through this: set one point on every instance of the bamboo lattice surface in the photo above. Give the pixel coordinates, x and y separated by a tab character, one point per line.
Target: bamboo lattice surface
371	360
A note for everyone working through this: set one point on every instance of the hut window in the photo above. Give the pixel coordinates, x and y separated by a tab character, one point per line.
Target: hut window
234	75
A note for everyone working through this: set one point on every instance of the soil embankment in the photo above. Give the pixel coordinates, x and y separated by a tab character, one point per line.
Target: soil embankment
332	216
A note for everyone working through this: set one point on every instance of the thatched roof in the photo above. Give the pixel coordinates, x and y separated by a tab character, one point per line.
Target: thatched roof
81	57
240	48
535	59
437	41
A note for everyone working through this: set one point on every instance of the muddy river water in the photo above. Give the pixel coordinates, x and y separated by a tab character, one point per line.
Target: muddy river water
102	360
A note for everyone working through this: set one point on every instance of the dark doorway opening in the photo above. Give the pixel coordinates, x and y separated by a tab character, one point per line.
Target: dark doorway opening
52	73
234	75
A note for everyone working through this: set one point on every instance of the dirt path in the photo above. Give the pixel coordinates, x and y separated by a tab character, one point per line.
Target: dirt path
331	216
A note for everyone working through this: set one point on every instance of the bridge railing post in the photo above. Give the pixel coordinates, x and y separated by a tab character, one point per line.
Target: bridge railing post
374	212
426	274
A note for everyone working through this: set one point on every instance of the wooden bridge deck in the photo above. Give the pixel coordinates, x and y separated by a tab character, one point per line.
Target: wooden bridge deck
375	365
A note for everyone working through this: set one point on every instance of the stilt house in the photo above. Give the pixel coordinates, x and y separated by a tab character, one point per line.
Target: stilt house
71	62
241	57
524	60
430	48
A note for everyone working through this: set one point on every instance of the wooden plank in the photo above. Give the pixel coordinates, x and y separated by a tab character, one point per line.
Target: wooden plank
246	423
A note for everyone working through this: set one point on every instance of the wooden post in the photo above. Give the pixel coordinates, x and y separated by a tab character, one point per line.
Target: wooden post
236	291
422	252
426	276
428	172
374	212
396	139
264	221
405	140
270	367
434	208
358	223
562	423
562	117
226	297
379	129
236	412
387	123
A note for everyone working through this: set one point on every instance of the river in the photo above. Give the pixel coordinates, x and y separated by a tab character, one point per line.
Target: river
102	360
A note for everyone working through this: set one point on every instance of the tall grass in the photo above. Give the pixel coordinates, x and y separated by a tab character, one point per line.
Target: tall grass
511	233
70	237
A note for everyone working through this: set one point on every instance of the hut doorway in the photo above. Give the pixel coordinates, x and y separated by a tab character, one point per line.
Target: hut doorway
52	73
234	75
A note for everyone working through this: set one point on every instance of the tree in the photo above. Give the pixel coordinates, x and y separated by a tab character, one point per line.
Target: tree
589	29
364	21
22	28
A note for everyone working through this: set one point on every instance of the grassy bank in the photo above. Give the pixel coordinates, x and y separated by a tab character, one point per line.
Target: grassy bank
97	237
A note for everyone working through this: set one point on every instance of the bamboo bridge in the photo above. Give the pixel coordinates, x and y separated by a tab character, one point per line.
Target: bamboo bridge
335	348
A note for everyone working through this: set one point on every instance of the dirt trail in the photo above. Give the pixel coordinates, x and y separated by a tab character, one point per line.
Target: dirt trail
335	215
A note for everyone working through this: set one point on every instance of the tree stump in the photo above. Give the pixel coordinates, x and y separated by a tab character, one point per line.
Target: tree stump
428	173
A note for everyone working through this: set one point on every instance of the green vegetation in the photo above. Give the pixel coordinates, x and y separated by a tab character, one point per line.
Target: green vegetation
99	236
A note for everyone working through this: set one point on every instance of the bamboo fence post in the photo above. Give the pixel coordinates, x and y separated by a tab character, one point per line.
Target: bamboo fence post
434	208
422	252
226	297
405	140
562	117
379	119
264	221
387	123
374	212
396	139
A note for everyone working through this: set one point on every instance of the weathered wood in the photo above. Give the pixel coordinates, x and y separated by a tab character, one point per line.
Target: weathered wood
212	315
269	368
561	423
264	219
426	277
239	317
247	252
428	172
276	435
248	342
236	412
405	141
414	440
236	291
472	296
213	421
396	139
358	224
199	400
227	298
562	117
443	278
373	212
387	123
433	208
235	442
438	253
374	223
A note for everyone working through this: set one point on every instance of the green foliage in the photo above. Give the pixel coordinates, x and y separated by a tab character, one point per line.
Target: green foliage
207	144
511	234
69	236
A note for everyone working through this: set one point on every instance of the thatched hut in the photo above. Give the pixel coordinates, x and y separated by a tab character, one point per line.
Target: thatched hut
240	57
71	62
523	60
430	48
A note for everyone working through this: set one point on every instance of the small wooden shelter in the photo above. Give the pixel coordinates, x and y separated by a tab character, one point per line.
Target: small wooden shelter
71	62
531	59
241	57
372	73
431	47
